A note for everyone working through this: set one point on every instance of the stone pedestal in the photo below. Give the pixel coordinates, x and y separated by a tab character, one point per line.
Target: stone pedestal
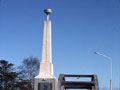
45	84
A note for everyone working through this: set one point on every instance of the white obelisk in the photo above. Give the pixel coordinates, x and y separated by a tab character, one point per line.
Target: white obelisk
46	80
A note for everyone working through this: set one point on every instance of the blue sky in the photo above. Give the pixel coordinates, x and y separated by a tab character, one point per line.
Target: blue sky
79	27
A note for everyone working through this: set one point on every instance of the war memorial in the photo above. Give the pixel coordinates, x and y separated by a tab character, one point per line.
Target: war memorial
46	80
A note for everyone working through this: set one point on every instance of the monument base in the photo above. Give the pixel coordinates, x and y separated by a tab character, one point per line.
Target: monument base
45	84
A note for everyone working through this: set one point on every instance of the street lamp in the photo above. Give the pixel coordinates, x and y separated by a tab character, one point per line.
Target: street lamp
110	59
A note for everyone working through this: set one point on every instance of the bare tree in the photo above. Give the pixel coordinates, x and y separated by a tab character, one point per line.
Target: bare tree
29	69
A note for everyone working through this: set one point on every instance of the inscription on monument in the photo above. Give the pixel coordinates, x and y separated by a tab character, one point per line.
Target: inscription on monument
44	86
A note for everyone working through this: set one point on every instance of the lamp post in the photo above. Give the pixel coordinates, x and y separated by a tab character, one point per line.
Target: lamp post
110	59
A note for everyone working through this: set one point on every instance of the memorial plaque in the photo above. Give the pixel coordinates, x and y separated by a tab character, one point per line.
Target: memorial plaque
44	86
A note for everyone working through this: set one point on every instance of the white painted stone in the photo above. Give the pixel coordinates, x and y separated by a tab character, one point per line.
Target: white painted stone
46	67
